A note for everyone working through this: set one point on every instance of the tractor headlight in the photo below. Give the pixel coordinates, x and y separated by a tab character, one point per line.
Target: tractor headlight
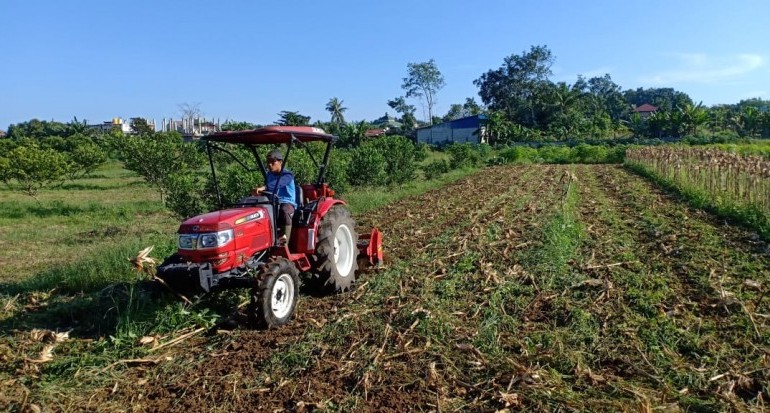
207	240
187	241
215	239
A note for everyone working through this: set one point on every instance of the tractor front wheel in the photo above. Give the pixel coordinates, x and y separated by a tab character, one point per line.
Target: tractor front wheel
274	302
336	252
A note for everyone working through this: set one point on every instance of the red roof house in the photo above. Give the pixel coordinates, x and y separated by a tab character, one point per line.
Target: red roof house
645	110
373	133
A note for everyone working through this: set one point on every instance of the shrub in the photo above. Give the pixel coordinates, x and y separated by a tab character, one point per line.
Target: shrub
463	155
234	183
435	168
186	197
421	152
485	150
387	160
305	171
585	153
7	145
158	156
82	154
701	138
337	173
598	154
367	166
302	166
84	159
5	170
555	154
33	168
616	154
518	154
399	153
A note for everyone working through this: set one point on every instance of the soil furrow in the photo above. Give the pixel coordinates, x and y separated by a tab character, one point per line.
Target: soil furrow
689	259
531	287
252	353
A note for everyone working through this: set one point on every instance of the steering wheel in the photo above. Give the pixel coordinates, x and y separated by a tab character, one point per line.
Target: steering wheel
271	196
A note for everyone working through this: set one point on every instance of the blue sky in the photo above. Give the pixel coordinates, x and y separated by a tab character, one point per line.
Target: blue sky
249	60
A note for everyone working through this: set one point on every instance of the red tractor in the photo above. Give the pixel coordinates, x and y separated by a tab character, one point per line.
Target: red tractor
239	247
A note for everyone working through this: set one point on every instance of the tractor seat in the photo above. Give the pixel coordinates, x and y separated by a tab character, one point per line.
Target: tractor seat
299	197
304	211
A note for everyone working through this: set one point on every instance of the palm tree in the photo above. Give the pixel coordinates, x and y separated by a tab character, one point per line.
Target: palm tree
564	98
657	123
336	109
747	122
289	118
693	116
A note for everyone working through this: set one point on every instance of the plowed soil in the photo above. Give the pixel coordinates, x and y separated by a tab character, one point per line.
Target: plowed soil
477	309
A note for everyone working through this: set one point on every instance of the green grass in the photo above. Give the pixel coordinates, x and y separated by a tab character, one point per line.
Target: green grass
76	221
754	147
531	318
562	236
664	314
65	259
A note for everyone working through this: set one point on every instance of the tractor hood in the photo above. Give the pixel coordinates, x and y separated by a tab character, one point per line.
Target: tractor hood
220	220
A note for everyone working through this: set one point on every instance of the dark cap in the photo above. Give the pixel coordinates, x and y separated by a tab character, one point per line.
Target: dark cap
275	154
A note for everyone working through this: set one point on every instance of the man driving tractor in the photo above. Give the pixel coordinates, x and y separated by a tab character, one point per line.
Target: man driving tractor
280	182
239	245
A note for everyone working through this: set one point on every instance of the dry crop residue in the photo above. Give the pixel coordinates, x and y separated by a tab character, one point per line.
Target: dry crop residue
527	287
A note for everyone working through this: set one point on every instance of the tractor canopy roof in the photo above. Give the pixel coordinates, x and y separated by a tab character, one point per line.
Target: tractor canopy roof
272	135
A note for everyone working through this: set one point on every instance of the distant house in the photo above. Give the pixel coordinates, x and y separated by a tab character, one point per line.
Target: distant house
470	129
645	110
387	122
2	134
373	133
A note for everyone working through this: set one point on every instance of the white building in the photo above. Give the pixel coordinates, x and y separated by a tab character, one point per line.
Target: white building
190	128
116	123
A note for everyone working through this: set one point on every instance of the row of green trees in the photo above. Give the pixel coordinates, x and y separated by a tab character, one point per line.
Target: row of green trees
36	154
524	104
179	170
744	120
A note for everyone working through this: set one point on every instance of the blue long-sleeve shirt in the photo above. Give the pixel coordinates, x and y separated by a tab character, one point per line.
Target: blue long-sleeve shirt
286	190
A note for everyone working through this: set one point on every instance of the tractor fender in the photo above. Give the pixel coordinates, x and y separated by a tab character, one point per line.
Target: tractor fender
304	241
325	205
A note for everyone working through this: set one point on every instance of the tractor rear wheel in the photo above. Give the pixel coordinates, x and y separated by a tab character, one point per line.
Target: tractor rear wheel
275	301
336	252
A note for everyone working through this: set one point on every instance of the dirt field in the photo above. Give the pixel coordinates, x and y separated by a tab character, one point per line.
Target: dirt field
525	288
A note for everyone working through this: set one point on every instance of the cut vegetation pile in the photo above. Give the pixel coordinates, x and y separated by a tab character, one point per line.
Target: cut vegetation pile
530	287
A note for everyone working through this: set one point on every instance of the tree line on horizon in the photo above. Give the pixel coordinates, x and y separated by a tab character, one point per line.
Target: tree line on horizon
519	99
523	103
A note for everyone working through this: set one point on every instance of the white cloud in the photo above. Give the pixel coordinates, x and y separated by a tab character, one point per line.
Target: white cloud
561	75
701	68
598	72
